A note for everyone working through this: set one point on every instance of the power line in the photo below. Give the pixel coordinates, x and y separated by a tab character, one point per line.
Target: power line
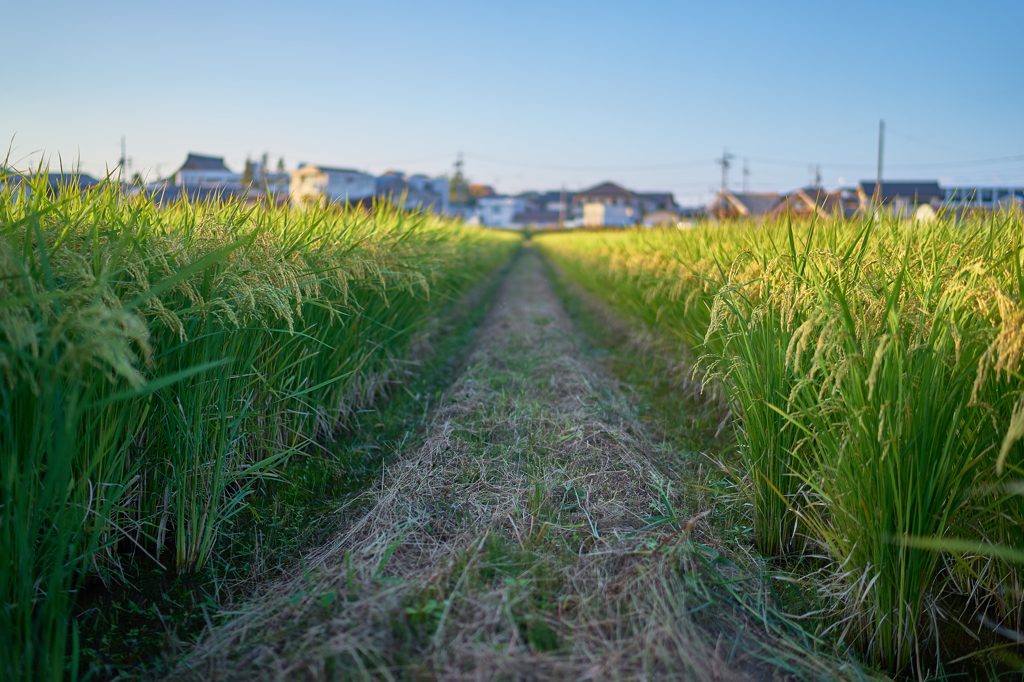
527	164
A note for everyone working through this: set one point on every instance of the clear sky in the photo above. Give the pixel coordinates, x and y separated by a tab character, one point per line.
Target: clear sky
536	95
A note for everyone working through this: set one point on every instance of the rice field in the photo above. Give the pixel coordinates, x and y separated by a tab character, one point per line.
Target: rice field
157	364
873	369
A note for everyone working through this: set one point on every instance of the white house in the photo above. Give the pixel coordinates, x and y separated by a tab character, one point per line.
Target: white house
499	211
600	214
435	186
324	184
206	171
418	192
991	198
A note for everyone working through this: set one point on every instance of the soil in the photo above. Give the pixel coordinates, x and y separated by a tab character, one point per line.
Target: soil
535	534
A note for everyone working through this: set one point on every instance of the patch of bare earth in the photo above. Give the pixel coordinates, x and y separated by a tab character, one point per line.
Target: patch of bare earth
511	545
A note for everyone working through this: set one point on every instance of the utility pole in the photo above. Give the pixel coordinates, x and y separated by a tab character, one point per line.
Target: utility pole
881	147
561	207
817	175
746	174
724	163
122	163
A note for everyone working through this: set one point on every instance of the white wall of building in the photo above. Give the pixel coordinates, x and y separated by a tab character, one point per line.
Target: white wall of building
348	185
984	197
209	178
598	215
498	211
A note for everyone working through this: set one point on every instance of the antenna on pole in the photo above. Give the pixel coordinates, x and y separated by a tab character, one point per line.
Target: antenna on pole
724	163
122	162
746	174
561	207
881	147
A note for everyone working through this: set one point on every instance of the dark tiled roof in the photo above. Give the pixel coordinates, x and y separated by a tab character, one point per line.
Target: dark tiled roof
606	189
206	163
332	169
924	190
535	217
168	194
390	184
756	204
79	180
657	196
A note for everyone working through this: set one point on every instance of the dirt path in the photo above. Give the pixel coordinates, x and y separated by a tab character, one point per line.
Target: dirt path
506	546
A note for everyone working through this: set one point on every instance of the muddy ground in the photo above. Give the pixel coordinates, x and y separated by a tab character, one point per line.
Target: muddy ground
536	534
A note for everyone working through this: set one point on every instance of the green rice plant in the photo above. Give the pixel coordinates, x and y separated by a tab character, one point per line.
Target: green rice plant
875	366
156	364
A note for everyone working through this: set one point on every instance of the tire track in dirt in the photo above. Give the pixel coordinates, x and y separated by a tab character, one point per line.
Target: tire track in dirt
507	545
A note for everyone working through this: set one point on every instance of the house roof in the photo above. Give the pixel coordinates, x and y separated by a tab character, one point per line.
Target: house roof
167	194
606	189
922	189
661	216
205	163
79	180
332	169
752	204
535	218
391	183
658	196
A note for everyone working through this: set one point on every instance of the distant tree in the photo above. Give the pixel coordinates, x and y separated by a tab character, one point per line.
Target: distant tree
264	165
458	188
477	191
137	179
249	176
280	164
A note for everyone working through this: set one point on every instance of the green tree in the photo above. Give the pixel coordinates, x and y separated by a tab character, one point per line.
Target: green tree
249	175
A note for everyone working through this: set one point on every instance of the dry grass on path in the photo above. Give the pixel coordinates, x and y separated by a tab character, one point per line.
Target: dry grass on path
507	546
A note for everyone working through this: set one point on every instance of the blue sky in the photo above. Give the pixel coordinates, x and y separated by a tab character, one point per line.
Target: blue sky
534	94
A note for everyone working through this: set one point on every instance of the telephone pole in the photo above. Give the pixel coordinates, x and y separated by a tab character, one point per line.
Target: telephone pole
746	174
561	207
122	162
724	163
881	147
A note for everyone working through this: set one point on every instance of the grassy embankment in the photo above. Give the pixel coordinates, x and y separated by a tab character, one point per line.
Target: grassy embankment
160	366
874	370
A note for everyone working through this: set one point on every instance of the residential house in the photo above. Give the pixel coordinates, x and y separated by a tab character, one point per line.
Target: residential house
314	184
556	200
596	214
534	218
499	211
636	204
205	171
901	197
165	193
742	204
661	217
627	206
657	201
989	198
417	192
55	182
468	212
809	201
